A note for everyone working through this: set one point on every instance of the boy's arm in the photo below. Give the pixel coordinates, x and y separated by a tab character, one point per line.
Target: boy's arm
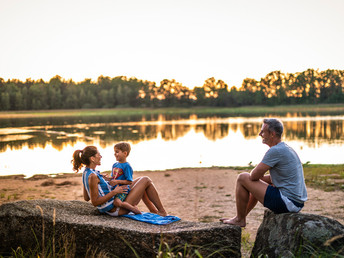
128	172
106	176
115	182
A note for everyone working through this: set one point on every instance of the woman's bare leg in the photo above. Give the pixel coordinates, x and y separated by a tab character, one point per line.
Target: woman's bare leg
146	200
149	203
140	187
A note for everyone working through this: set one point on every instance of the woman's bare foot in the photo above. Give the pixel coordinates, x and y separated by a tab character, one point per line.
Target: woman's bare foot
235	221
153	210
162	213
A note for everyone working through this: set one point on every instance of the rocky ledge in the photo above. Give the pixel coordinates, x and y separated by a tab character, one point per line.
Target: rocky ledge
52	225
298	235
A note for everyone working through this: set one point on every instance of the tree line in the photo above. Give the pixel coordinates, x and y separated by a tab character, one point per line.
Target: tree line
276	88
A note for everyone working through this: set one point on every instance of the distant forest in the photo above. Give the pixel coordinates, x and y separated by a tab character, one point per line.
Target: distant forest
276	88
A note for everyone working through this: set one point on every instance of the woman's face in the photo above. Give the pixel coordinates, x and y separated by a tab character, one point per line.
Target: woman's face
97	159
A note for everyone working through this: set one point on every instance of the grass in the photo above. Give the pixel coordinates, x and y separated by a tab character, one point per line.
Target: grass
325	177
233	111
246	244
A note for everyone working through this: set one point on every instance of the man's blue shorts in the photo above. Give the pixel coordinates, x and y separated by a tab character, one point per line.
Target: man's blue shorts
273	200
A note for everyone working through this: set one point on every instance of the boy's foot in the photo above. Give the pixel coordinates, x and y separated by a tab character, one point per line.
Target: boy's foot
235	221
136	210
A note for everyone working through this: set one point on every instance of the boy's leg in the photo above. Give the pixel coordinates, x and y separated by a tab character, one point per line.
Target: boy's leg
119	202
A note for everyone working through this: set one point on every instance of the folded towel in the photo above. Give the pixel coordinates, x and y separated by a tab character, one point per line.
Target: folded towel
152	218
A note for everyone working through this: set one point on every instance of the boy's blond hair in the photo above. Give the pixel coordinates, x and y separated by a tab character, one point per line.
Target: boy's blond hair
123	146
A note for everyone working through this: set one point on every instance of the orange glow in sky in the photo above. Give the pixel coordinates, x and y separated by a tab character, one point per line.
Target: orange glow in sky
185	40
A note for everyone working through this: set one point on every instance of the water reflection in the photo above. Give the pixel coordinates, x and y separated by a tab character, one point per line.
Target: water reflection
308	133
312	131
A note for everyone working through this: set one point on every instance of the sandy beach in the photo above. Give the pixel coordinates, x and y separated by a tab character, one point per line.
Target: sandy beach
193	194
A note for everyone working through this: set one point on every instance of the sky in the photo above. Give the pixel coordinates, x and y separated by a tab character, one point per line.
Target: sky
186	40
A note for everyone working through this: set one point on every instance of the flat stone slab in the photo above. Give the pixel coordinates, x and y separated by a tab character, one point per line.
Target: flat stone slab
21	225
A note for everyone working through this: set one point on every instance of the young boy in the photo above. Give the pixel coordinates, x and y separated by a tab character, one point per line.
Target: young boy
121	170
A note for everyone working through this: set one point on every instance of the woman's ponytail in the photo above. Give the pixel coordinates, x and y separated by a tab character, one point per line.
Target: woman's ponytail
82	157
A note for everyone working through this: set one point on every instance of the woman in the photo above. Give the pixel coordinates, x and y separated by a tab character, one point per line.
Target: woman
100	192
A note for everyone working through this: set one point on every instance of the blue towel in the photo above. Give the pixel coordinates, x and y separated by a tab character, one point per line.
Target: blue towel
152	218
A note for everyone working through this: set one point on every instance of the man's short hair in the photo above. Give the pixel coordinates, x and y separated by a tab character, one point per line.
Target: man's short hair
275	125
123	146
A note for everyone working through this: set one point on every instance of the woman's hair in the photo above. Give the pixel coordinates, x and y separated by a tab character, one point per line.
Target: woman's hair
123	146
82	157
275	125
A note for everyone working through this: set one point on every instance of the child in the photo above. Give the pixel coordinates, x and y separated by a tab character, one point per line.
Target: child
122	170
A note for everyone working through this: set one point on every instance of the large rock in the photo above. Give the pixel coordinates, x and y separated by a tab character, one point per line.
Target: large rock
298	234
21	225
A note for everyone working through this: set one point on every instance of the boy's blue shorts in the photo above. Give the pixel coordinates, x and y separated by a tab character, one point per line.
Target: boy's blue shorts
273	200
121	196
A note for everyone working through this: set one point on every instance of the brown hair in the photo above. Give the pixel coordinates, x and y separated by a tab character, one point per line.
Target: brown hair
123	146
82	157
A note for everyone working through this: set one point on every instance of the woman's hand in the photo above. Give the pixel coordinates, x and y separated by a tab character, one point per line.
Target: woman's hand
121	189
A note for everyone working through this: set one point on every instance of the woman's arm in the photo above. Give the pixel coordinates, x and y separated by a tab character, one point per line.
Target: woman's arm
96	199
86	197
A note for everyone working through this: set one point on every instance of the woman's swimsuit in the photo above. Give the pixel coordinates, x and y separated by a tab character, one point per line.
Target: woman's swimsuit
103	189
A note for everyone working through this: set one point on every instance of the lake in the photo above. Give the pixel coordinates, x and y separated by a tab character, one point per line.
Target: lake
45	145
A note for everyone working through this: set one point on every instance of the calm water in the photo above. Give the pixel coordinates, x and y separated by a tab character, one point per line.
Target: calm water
45	146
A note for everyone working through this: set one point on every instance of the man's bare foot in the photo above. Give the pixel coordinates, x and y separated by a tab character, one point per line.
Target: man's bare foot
222	219
235	221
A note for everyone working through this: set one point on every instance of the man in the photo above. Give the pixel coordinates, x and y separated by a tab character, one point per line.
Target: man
283	190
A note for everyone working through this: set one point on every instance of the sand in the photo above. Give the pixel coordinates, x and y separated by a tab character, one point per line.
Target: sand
193	194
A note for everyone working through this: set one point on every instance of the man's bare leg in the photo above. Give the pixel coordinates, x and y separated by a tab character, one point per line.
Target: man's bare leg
244	204
252	202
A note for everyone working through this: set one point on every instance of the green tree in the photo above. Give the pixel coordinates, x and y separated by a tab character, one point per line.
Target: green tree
5	101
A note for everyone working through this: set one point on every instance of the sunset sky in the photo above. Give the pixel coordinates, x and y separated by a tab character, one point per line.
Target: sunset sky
185	40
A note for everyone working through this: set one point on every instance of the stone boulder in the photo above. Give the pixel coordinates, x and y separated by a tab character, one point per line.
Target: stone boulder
76	226
298	234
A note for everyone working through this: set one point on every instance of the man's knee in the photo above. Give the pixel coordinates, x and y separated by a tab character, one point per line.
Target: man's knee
243	177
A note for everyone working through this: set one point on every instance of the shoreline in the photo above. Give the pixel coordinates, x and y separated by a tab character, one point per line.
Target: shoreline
193	194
